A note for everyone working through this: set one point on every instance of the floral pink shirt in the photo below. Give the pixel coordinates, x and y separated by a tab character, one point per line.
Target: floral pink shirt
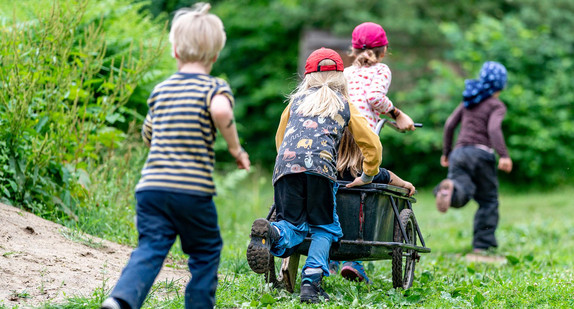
368	88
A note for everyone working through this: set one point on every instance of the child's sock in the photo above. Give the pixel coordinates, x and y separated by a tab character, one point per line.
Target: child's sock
310	271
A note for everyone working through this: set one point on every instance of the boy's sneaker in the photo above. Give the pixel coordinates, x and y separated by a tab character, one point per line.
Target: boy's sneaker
334	267
444	195
111	303
311	290
355	271
258	252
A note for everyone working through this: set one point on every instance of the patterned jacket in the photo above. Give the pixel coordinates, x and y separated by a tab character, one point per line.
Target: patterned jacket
310	144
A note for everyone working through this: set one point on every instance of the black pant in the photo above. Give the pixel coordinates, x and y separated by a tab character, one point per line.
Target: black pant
473	172
304	197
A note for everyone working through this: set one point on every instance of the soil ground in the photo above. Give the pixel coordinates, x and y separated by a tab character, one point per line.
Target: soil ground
43	261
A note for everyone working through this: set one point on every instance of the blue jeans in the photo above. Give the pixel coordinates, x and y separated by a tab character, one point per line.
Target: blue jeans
161	216
473	172
322	236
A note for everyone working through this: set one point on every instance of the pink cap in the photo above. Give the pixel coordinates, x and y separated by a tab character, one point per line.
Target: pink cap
312	63
369	35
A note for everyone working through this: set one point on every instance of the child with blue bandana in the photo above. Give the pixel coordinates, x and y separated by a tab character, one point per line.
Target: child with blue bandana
472	163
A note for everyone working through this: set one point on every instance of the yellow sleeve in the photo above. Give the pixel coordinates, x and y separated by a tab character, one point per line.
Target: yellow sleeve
367	140
282	125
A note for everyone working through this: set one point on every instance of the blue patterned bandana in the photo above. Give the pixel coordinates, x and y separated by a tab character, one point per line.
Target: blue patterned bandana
492	79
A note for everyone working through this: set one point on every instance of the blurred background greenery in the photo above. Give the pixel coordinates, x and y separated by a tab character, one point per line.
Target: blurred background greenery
75	76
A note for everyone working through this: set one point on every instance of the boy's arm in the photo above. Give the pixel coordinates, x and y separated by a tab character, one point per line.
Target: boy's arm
147	129
282	125
449	126
222	115
495	131
397	181
497	138
367	141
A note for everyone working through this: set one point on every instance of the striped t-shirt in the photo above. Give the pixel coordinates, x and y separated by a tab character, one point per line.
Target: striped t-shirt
179	130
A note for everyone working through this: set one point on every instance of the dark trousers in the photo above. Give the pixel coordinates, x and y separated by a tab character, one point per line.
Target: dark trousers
473	172
161	216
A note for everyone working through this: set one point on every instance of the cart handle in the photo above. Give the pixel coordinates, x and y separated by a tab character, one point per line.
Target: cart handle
392	124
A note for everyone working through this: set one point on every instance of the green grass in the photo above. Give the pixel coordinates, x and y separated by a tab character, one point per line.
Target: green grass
536	234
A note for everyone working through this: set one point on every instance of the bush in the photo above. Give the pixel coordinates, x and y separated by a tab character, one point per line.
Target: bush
61	90
538	127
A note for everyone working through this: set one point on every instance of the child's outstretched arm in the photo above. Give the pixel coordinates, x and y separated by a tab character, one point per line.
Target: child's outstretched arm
222	115
397	181
376	94
378	100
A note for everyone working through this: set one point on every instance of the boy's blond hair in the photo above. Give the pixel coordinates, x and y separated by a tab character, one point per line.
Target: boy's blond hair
197	36
326	101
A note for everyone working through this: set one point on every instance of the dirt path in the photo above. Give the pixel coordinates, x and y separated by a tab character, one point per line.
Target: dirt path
38	263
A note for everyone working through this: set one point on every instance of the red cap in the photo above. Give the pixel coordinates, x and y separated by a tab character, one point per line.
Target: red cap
369	35
312	64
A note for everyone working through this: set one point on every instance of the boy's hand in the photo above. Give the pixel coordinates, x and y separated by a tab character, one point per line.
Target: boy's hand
242	159
357	182
410	187
505	165
443	161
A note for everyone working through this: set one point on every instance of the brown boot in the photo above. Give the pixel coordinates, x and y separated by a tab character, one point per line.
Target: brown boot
444	195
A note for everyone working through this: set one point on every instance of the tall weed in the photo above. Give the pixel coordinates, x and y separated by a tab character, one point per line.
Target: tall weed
60	94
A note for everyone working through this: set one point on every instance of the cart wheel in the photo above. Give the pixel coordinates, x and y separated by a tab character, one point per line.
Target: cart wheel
403	277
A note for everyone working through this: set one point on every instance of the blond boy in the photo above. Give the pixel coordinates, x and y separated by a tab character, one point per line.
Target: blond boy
174	194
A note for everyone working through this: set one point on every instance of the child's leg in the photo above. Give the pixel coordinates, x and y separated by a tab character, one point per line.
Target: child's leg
323	235
318	256
459	187
196	220
486	217
156	236
290	236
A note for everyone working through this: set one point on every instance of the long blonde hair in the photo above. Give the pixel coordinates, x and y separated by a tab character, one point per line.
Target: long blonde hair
368	57
349	156
326	101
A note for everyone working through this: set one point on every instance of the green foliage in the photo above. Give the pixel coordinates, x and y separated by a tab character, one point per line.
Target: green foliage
538	126
57	108
535	240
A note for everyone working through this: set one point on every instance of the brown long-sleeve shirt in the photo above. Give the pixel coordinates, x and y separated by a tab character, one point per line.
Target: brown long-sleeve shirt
480	124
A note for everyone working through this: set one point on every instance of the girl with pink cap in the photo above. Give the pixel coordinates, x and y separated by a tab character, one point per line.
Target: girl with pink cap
369	81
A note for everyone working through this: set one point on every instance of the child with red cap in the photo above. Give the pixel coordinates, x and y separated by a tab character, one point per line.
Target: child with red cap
369	81
305	173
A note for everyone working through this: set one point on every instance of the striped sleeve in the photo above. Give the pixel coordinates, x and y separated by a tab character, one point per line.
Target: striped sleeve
221	87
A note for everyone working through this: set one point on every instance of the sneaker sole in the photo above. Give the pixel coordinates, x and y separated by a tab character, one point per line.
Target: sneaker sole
314	299
444	195
258	250
351	274
310	300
